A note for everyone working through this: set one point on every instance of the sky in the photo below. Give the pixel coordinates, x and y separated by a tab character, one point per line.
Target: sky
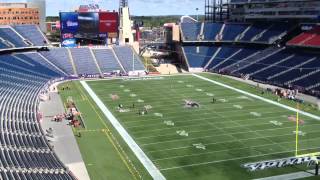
137	7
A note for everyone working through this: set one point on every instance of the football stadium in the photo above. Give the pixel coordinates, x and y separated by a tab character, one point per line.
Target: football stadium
228	92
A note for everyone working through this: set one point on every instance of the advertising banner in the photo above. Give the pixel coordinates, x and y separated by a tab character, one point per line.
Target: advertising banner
69	22
108	22
69	42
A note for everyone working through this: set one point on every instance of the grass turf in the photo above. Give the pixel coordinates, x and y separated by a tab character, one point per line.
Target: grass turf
234	130
105	155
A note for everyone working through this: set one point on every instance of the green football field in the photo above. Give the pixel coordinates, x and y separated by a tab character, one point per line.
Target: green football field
211	141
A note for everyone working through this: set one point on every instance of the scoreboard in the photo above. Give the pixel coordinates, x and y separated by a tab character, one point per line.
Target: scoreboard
87	26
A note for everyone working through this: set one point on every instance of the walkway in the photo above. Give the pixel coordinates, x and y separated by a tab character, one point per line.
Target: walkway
64	142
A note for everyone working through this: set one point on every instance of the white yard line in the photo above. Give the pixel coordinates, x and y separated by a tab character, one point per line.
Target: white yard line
202	137
147	163
225	160
236	116
231	149
258	97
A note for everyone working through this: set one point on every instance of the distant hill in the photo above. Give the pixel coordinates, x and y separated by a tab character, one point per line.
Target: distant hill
156	21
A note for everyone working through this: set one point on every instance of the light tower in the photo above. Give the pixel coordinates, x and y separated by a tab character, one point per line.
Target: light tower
125	31
216	10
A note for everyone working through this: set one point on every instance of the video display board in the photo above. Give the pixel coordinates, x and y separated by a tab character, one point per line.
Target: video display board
69	26
108	22
83	27
88	22
69	22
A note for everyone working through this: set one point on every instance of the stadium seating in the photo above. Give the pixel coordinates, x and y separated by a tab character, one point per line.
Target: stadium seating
253	31
274	32
84	61
232	30
13	175
258	32
224	53
240	55
59	57
12	37
3	45
308	81
211	30
309	38
24	149
198	56
41	60
125	55
191	31
32	33
106	60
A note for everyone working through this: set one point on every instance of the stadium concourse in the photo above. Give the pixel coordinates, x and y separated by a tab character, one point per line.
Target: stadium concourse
268	52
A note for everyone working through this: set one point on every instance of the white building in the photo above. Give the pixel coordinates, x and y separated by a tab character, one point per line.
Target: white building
125	31
41	5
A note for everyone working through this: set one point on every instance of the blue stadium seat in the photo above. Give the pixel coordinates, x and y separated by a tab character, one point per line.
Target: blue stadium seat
106	60
9	35
32	33
191	31
198	56
59	57
84	61
125	55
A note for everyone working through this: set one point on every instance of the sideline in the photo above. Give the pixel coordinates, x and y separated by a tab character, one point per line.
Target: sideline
147	163
290	176
259	97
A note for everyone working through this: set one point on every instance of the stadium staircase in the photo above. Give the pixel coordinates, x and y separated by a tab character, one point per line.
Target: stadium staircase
96	62
185	57
258	36
115	55
290	69
72	62
227	59
240	36
271	65
32	33
256	59
41	60
212	58
219	36
302	77
29	43
106	60
201	35
60	58
4	44
313	86
235	64
25	152
53	65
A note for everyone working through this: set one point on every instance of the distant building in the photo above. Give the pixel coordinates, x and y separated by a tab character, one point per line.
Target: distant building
18	13
41	6
246	10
